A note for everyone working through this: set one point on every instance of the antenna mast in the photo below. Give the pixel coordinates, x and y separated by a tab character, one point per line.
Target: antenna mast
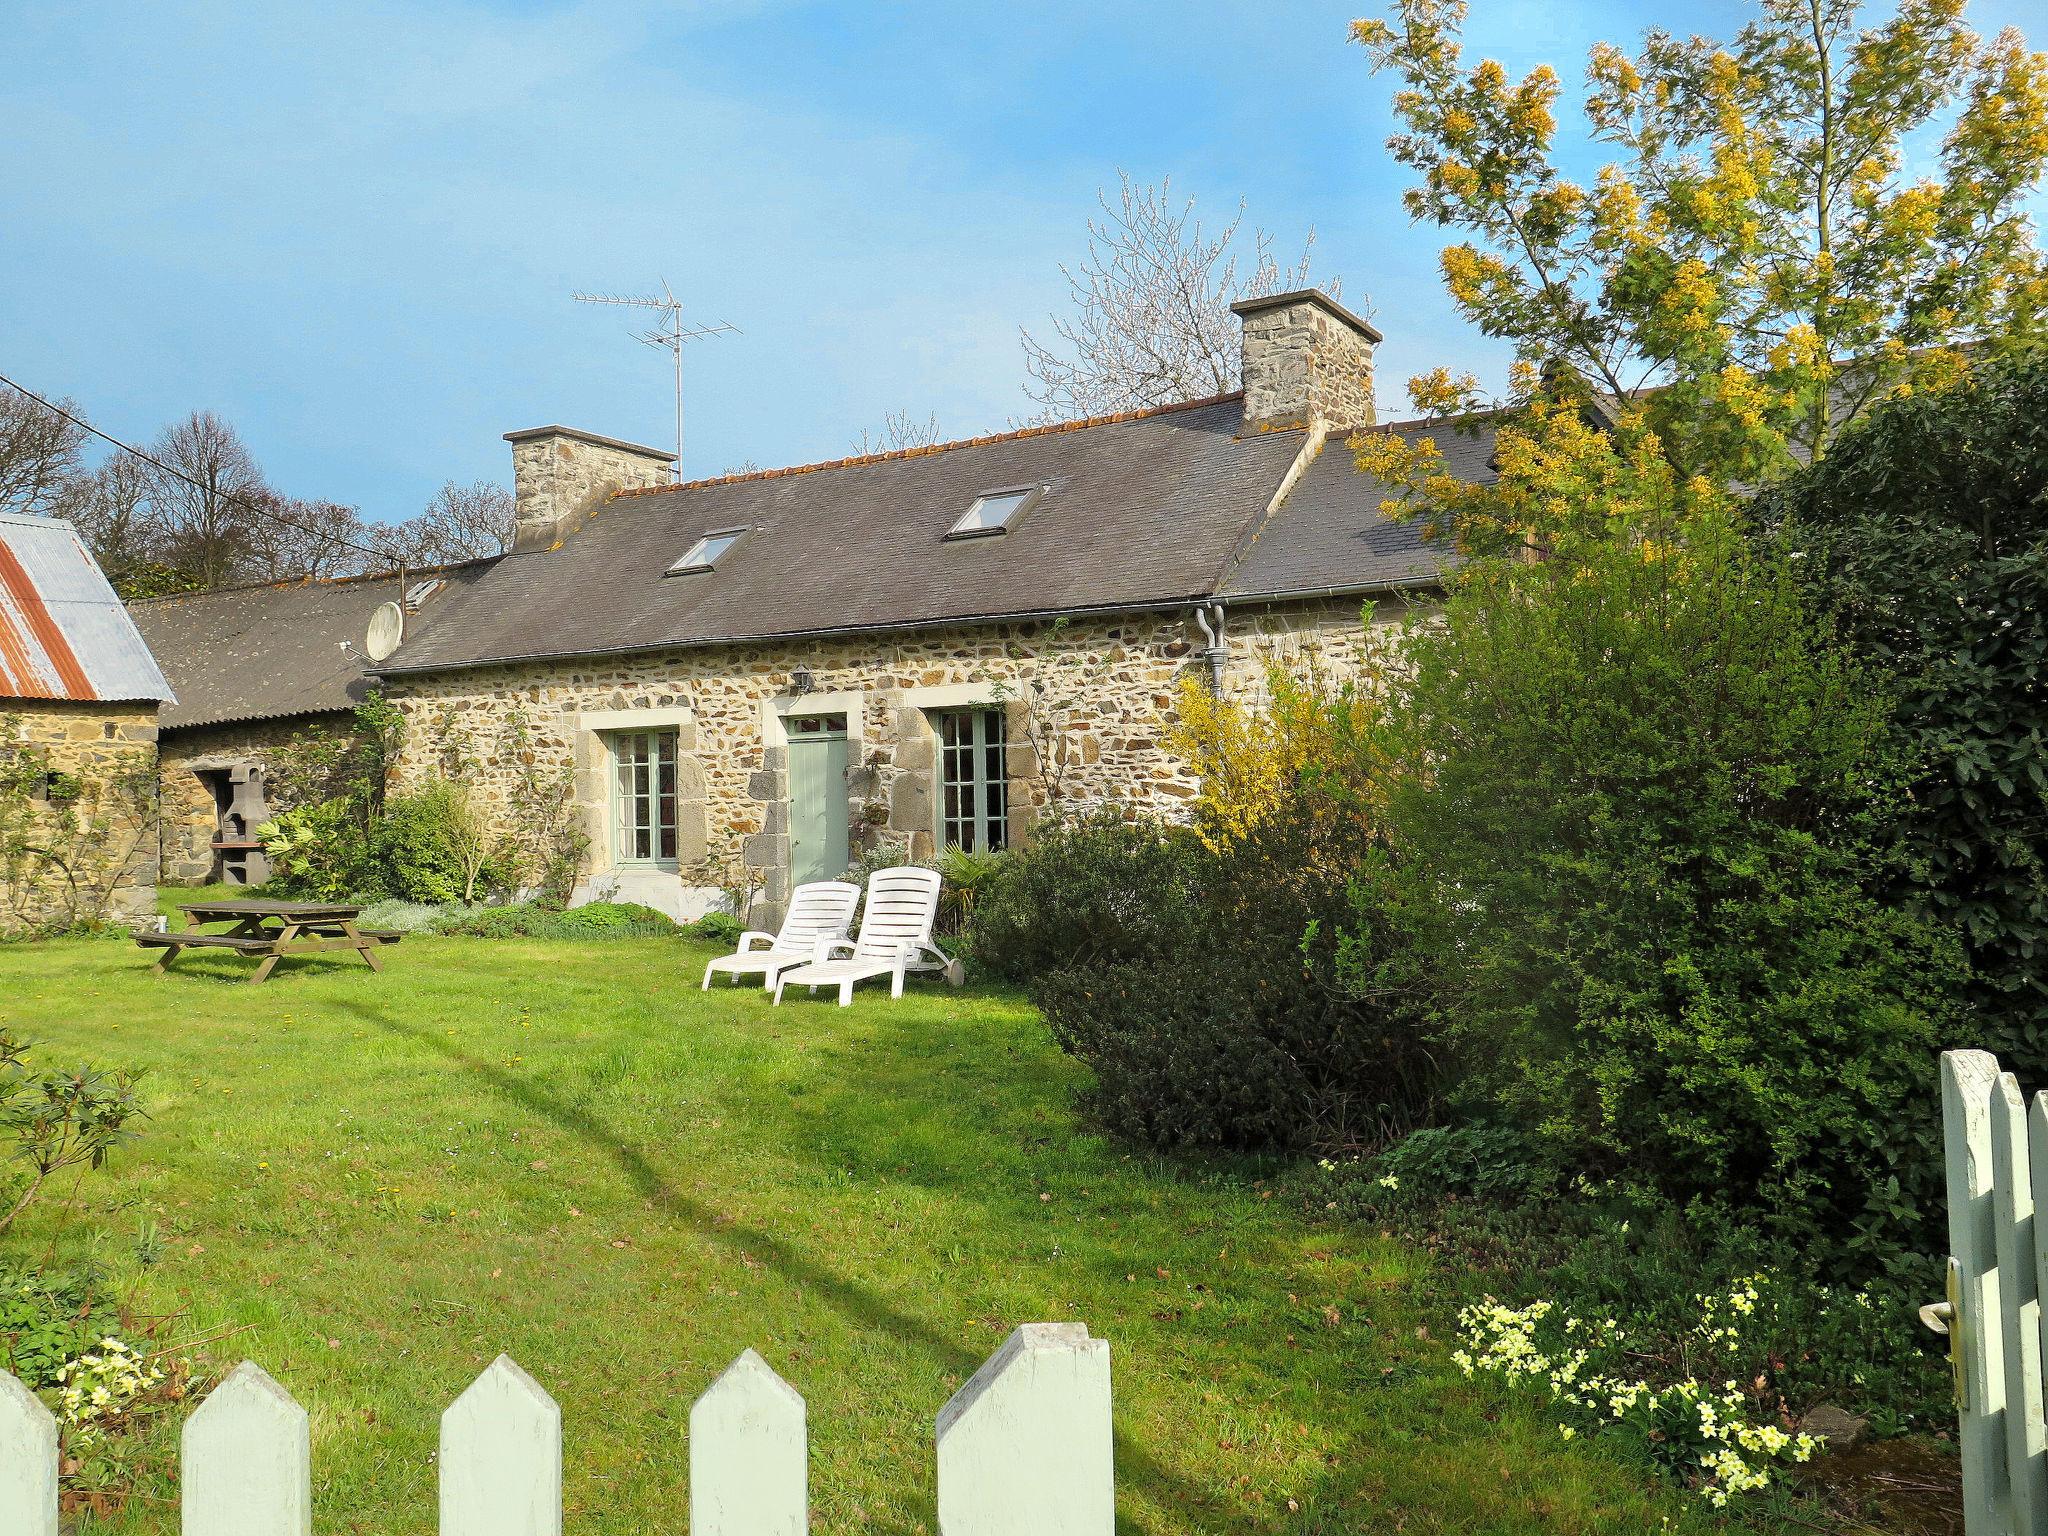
671	333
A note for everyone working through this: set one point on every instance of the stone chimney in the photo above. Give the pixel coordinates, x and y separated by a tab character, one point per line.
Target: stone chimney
560	476
1307	363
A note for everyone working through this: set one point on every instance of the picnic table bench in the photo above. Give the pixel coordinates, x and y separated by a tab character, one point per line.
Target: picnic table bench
270	930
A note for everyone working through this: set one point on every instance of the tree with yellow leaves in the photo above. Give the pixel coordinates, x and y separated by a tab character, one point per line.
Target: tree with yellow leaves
1760	263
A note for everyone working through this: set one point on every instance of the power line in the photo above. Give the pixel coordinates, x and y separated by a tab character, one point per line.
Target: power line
210	490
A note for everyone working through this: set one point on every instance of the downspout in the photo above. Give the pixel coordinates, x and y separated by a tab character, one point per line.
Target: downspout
1209	618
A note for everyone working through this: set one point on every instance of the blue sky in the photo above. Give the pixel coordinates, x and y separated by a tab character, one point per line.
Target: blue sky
353	229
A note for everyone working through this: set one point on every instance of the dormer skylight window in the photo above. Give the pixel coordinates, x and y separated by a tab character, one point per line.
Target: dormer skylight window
705	553
994	511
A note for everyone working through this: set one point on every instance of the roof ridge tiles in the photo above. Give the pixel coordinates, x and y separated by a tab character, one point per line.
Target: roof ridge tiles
1015	434
281	583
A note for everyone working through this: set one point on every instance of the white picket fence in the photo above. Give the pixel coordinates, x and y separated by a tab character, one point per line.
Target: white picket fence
1023	1450
1996	1149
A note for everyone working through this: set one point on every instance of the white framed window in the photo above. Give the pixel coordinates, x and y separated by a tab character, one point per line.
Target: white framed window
705	553
994	511
644	798
974	779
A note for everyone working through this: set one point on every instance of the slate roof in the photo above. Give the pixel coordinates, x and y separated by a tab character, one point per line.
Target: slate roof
1150	509
273	651
1330	534
63	632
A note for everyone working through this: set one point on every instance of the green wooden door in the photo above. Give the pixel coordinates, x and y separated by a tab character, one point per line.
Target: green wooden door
817	798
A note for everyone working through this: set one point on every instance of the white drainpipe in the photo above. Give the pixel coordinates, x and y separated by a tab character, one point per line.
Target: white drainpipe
1209	618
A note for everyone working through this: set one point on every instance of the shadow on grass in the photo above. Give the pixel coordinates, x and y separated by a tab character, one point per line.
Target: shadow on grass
215	966
987	1089
1136	1467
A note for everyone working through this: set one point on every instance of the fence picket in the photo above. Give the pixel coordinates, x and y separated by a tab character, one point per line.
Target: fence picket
28	1462
248	1460
1024	1447
2019	1304
501	1457
747	1455
1967	1081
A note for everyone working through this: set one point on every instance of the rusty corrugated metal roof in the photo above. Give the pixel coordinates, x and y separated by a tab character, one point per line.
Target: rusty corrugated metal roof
63	632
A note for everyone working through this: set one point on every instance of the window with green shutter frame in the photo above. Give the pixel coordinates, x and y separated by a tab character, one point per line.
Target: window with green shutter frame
974	779
644	798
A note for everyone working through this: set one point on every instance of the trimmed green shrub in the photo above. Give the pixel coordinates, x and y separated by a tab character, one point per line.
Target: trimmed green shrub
1086	894
528	920
416	850
718	928
1924	532
409	850
1200	984
614	917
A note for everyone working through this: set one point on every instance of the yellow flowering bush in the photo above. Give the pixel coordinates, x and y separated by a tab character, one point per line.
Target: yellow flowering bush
1309	733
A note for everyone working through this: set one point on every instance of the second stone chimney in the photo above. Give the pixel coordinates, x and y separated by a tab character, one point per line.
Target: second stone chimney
1307	362
560	476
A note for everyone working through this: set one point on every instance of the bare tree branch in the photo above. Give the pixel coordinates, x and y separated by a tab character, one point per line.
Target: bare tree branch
899	430
462	522
200	524
307	538
1151	322
40	461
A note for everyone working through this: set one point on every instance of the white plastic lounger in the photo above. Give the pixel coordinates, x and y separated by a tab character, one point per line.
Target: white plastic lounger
895	937
818	912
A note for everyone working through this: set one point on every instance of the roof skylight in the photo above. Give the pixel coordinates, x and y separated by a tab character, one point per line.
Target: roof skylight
994	511
704	554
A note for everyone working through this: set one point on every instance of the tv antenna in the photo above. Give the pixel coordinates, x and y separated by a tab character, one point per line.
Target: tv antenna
670	333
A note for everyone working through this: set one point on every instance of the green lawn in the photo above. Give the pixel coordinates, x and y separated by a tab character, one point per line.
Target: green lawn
566	1152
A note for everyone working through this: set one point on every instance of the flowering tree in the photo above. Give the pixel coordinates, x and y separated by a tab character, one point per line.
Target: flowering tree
1151	321
1759	253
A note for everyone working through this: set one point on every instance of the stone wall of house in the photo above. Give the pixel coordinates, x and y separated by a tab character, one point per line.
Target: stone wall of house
1328	635
1108	690
190	818
77	814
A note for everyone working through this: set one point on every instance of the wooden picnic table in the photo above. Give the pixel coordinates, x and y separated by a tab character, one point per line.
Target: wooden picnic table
270	930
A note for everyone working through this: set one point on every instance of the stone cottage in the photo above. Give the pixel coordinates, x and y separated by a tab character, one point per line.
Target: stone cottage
265	674
739	683
79	695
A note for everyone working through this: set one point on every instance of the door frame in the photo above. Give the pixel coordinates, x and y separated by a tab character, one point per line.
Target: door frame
777	710
830	746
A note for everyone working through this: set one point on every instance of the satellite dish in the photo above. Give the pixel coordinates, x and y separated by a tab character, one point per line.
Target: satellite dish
387	628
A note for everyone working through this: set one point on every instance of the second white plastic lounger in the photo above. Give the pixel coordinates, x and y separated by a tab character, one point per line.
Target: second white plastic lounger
818	912
895	934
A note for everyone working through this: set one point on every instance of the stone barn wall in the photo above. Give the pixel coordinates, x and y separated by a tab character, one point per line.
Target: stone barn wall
78	840
189	815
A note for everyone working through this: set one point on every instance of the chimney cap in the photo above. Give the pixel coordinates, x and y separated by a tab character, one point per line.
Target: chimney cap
1316	296
526	434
